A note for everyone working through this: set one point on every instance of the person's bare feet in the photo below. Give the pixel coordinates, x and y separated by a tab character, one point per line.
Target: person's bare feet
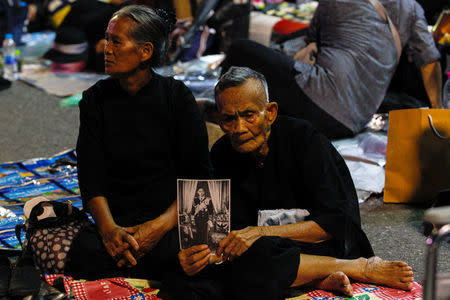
336	282
395	274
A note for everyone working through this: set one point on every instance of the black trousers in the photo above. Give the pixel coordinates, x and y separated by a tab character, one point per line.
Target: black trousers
283	89
265	271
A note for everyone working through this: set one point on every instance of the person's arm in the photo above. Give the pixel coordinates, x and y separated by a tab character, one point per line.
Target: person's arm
432	80
238	241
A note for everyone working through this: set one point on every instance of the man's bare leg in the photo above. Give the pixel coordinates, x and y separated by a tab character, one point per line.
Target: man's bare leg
374	270
336	282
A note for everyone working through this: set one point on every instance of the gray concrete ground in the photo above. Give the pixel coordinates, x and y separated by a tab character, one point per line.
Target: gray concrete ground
33	124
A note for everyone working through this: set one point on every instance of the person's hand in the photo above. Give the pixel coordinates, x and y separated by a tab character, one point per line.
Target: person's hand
307	54
238	241
117	242
147	235
194	259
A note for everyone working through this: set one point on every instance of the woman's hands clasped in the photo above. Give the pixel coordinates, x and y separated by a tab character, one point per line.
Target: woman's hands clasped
118	243
147	236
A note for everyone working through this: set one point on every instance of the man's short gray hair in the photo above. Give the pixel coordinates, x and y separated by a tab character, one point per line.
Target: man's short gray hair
237	76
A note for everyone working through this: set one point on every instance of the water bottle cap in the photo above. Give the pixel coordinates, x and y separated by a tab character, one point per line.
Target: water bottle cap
8	36
23	4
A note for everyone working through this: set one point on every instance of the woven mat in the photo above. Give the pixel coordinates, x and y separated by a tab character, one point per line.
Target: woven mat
363	291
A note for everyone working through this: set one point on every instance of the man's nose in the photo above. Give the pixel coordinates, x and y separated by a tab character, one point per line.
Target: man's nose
240	125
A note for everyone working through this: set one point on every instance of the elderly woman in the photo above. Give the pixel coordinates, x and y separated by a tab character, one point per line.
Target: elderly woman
139	132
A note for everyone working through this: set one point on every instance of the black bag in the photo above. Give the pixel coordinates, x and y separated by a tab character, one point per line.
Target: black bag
48	240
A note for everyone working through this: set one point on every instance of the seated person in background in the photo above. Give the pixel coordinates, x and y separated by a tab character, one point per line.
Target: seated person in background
139	132
281	162
338	81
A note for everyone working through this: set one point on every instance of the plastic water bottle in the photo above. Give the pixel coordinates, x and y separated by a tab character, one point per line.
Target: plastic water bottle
9	54
446	93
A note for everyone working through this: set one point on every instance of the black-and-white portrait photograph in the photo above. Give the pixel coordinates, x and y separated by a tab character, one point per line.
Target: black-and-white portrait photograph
203	212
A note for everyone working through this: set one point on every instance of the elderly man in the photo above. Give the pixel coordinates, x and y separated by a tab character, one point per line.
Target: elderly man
338	81
280	162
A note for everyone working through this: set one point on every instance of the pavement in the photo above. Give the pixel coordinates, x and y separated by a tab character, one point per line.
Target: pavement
33	124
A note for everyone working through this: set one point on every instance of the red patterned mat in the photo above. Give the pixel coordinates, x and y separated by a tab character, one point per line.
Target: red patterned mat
363	291
118	288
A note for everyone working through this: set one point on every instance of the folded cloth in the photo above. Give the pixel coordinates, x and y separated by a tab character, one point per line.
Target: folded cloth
281	216
25	278
5	275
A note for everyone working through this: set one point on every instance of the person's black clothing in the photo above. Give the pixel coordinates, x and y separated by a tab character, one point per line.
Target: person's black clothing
132	149
302	170
278	69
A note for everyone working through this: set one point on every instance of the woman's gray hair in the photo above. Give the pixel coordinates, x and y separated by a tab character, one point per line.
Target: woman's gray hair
236	76
151	26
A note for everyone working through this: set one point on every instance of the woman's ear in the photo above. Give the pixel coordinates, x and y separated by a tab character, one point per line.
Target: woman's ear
146	51
272	112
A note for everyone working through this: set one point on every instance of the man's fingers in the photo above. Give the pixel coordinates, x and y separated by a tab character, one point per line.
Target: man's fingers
197	266
229	249
193	259
223	244
195	249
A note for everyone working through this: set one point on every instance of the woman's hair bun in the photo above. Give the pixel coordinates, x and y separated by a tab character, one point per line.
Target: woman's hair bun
169	18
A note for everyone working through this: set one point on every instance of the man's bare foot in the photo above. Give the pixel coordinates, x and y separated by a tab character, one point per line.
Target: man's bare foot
336	282
395	274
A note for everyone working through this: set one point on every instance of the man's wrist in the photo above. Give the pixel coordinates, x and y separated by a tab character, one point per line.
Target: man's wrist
264	231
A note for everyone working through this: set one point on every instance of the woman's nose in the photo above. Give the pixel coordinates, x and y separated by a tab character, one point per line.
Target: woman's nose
107	49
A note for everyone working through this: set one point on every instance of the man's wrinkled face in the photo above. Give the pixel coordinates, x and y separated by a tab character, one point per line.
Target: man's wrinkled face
242	115
121	51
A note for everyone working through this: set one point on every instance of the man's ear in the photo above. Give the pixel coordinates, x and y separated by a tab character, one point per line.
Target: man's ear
272	112
146	51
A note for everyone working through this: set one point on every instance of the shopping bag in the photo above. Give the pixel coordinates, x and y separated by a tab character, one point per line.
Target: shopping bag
417	156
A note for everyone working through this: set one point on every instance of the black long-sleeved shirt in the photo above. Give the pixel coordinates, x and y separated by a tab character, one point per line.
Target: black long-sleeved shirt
131	149
302	170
